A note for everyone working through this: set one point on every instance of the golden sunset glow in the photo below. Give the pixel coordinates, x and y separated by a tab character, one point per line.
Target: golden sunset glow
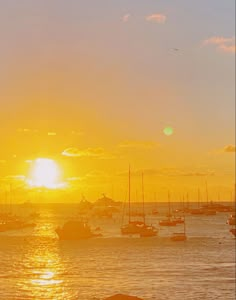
117	155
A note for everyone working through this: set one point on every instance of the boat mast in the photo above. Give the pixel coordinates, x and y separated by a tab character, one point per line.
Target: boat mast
198	197
129	194
143	199
169	202
184	225
206	193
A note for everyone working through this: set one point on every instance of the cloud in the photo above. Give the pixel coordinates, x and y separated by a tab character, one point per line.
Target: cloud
126	18
223	44
228	49
98	153
52	133
90	152
78	133
168	172
230	148
218	40
137	144
207	173
156	18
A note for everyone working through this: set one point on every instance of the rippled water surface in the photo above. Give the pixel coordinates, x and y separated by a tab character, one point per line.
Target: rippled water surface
36	265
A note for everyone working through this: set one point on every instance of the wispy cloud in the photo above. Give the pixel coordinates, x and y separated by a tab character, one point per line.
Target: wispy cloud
52	133
223	44
228	49
230	148
90	152
156	18
98	153
137	144
169	172
126	18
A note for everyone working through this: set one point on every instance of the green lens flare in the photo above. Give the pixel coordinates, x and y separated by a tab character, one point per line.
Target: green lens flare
168	131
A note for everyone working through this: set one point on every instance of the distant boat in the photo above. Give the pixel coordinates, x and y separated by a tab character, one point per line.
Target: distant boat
178	220
197	211
75	230
11	222
133	227
179	236
122	297
147	230
209	212
34	215
155	210
231	220
168	221
138	227
233	231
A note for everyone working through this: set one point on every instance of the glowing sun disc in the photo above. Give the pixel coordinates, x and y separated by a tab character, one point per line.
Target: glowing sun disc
45	173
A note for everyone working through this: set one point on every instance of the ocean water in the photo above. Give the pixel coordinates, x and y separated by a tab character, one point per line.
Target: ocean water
36	265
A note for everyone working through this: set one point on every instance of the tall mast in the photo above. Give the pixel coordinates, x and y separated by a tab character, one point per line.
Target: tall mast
198	197
143	199
169	202
184	225
206	193
129	193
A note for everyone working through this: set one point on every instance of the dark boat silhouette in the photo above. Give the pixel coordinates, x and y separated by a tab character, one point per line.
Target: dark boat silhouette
75	230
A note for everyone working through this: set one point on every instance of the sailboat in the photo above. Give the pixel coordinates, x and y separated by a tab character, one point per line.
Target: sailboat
147	230
168	221
155	210
133	227
179	236
199	210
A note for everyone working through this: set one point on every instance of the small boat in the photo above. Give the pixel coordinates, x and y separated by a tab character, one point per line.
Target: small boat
122	297
231	220
75	230
34	215
167	222
197	211
233	231
209	212
9	221
155	212
178	220
133	227
178	236
148	231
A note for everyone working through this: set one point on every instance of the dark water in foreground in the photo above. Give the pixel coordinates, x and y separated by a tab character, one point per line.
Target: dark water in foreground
36	265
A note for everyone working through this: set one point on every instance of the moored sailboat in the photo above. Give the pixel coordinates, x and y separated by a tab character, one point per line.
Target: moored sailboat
147	230
133	227
179	236
168	221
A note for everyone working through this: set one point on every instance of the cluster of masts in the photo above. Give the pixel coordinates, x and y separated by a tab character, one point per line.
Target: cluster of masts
74	230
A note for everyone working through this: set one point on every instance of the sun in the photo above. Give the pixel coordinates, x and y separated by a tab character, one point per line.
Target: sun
44	173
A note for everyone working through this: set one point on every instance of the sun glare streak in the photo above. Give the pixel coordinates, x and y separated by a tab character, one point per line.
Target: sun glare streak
45	173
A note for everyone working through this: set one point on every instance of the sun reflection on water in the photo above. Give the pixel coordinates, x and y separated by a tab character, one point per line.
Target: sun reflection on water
43	267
